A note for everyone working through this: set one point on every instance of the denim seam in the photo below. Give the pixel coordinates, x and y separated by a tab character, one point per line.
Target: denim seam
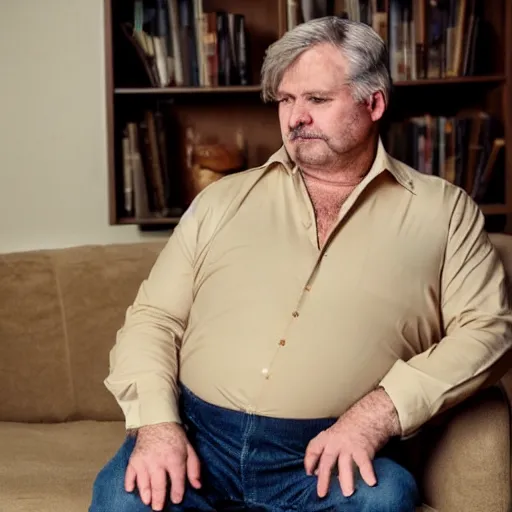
248	484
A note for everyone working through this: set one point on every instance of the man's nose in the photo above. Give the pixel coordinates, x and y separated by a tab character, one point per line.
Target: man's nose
299	115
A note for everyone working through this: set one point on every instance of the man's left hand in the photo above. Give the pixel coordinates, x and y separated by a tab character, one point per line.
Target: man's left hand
354	439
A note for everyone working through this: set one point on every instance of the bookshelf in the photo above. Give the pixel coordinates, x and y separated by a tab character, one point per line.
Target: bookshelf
217	111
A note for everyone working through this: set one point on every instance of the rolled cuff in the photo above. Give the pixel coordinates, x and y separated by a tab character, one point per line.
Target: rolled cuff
404	388
150	408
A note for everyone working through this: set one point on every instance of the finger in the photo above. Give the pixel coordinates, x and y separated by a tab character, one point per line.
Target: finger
129	478
365	465
327	462
177	474
158	483
313	452
143	485
193	468
346	475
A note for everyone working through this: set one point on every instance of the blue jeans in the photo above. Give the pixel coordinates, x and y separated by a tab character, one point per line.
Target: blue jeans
255	463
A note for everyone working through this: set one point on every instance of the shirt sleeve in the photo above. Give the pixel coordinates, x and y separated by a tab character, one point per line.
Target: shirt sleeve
143	374
475	350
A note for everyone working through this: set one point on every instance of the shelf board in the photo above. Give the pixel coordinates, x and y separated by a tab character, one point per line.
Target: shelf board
257	88
487	209
495	209
163	221
189	90
451	80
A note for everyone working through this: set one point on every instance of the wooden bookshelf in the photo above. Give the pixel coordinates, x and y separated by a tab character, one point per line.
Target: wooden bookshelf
216	111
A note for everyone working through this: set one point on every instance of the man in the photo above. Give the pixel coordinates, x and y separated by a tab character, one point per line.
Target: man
305	312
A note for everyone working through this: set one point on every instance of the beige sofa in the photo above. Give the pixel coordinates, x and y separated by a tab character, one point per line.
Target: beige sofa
59	311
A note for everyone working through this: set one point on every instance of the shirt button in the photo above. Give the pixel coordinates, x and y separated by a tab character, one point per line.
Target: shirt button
295	314
282	343
308	288
264	371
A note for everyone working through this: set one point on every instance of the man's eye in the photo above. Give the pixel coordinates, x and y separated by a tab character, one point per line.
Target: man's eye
314	99
283	100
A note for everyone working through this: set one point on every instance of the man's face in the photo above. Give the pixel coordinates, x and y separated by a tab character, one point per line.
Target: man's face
321	123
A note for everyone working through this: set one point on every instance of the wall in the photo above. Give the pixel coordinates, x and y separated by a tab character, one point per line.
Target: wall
53	163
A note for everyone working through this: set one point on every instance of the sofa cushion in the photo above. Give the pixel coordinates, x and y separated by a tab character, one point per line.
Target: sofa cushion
51	468
97	284
34	376
59	313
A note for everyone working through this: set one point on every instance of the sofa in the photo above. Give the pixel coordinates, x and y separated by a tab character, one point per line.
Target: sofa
59	313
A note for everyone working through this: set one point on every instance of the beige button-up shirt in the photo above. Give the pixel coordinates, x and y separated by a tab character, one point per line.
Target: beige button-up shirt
245	309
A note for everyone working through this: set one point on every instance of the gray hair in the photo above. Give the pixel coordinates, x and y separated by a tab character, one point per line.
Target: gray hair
363	48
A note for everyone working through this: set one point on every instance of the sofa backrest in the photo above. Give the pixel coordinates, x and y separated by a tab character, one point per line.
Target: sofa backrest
59	314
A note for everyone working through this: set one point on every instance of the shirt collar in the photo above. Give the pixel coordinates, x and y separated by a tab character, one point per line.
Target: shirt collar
383	162
281	157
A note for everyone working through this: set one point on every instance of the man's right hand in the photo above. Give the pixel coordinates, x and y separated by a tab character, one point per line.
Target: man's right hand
162	450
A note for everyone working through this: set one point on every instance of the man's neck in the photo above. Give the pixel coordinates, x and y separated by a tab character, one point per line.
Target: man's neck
350	170
328	189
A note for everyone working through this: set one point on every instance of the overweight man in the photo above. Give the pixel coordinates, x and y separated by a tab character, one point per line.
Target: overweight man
306	312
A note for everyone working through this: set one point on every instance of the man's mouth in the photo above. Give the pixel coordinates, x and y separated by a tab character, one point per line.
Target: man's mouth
303	136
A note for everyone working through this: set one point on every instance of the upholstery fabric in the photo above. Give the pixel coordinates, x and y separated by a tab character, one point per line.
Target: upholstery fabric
96	286
34	371
59	313
50	468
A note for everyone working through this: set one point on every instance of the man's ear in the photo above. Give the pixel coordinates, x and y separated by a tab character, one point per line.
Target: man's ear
376	105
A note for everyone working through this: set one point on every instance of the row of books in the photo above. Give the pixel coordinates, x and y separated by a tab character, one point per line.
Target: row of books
425	38
371	12
437	39
464	150
150	177
179	44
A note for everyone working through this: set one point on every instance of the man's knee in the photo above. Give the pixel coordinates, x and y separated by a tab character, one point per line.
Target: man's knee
108	491
396	489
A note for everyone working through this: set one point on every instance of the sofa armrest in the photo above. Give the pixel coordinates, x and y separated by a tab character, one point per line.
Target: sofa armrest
467	456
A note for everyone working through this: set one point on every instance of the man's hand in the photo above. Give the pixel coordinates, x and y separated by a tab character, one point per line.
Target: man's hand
162	450
355	438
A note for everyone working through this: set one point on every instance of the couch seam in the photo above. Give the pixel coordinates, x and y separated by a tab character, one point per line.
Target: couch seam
66	336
